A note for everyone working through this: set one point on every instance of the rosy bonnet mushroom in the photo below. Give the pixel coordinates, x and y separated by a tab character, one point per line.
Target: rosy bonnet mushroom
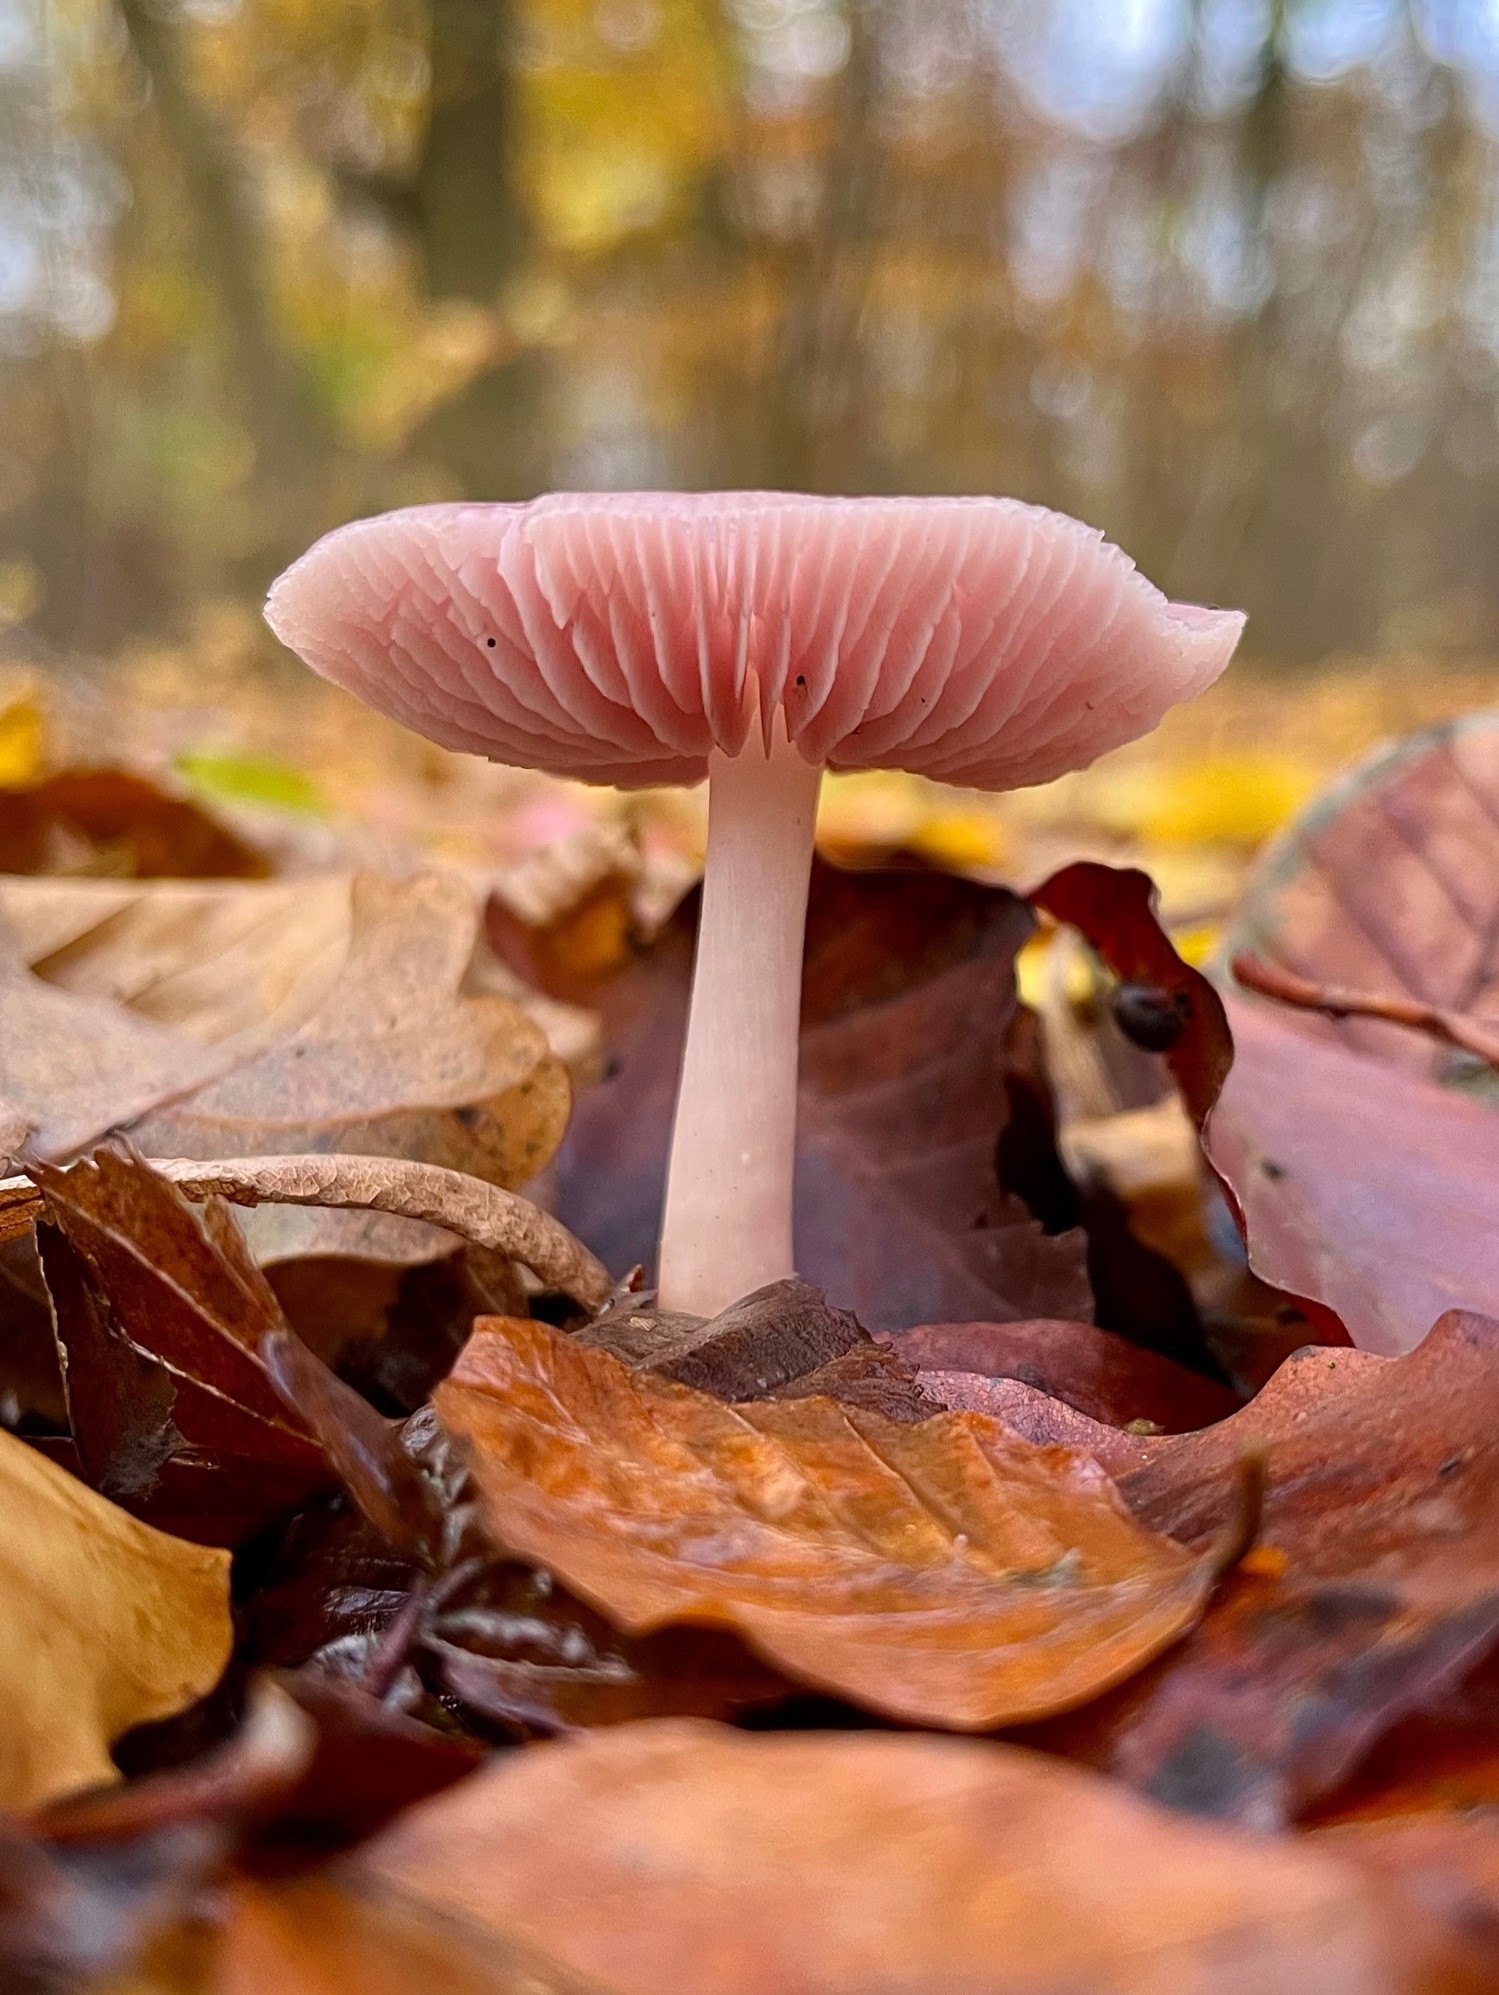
755	639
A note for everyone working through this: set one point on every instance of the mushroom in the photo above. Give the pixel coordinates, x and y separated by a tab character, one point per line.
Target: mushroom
755	639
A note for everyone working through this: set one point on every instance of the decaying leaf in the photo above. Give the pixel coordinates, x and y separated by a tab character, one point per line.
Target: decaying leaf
71	1067
159	1312
1440	1878
417	1570
97	1882
395	1061
945	1573
1389	884
1184	1018
481	1213
1338	1002
1363	1184
1374	1592
783	1341
330	1014
1114	907
230	965
106	1624
908	1004
835	1865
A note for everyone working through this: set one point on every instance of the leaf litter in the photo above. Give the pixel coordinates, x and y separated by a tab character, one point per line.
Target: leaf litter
614	1516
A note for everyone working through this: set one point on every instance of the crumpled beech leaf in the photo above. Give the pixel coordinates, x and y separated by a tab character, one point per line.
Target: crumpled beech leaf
105	1624
908	1005
1388	883
159	1311
1375	1591
945	1573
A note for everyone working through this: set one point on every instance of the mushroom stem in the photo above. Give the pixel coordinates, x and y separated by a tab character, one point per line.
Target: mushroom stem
727	1227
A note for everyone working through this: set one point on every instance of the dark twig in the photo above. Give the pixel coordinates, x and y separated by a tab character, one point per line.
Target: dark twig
1454	1028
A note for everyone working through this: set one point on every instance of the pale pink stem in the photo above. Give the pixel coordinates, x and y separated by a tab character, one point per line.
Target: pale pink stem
727	1227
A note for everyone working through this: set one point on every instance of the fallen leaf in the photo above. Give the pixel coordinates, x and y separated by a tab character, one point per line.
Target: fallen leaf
309	1937
1426	1765
96	1882
1103	1376
159	1311
1362	1184
71	1068
794	1865
1171	1008
1114	909
908	1003
395	1061
783	1341
227	964
108	821
245	1775
490	1218
1337	1002
31	1395
107	1624
334	1013
1034	1415
1383	1506
313	1766
499	1638
1389	884
944	1573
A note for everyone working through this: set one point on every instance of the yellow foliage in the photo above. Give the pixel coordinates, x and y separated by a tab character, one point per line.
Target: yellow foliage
23	731
622	108
963	841
871	810
1232	799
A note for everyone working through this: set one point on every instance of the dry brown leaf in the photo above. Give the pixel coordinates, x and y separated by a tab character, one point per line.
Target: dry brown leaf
681	1856
1388	884
105	1624
480	1213
70	1067
308	1937
905	1103
945	1573
229	964
395	1061
330	1014
160	1314
1370	1188
1374	1592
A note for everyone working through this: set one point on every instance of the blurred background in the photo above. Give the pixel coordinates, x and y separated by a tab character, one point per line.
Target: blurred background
1220	276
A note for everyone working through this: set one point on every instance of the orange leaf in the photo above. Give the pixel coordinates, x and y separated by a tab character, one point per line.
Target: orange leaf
944	1573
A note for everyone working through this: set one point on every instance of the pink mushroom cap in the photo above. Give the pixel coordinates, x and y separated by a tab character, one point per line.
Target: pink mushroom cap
621	637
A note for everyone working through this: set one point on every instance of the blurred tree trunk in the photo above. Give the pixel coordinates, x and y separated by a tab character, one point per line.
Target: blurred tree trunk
276	404
472	232
466	214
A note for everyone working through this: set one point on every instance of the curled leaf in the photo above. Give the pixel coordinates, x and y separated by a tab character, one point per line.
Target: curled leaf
1388	885
1373	1595
159	1312
482	1213
106	1624
946	1573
